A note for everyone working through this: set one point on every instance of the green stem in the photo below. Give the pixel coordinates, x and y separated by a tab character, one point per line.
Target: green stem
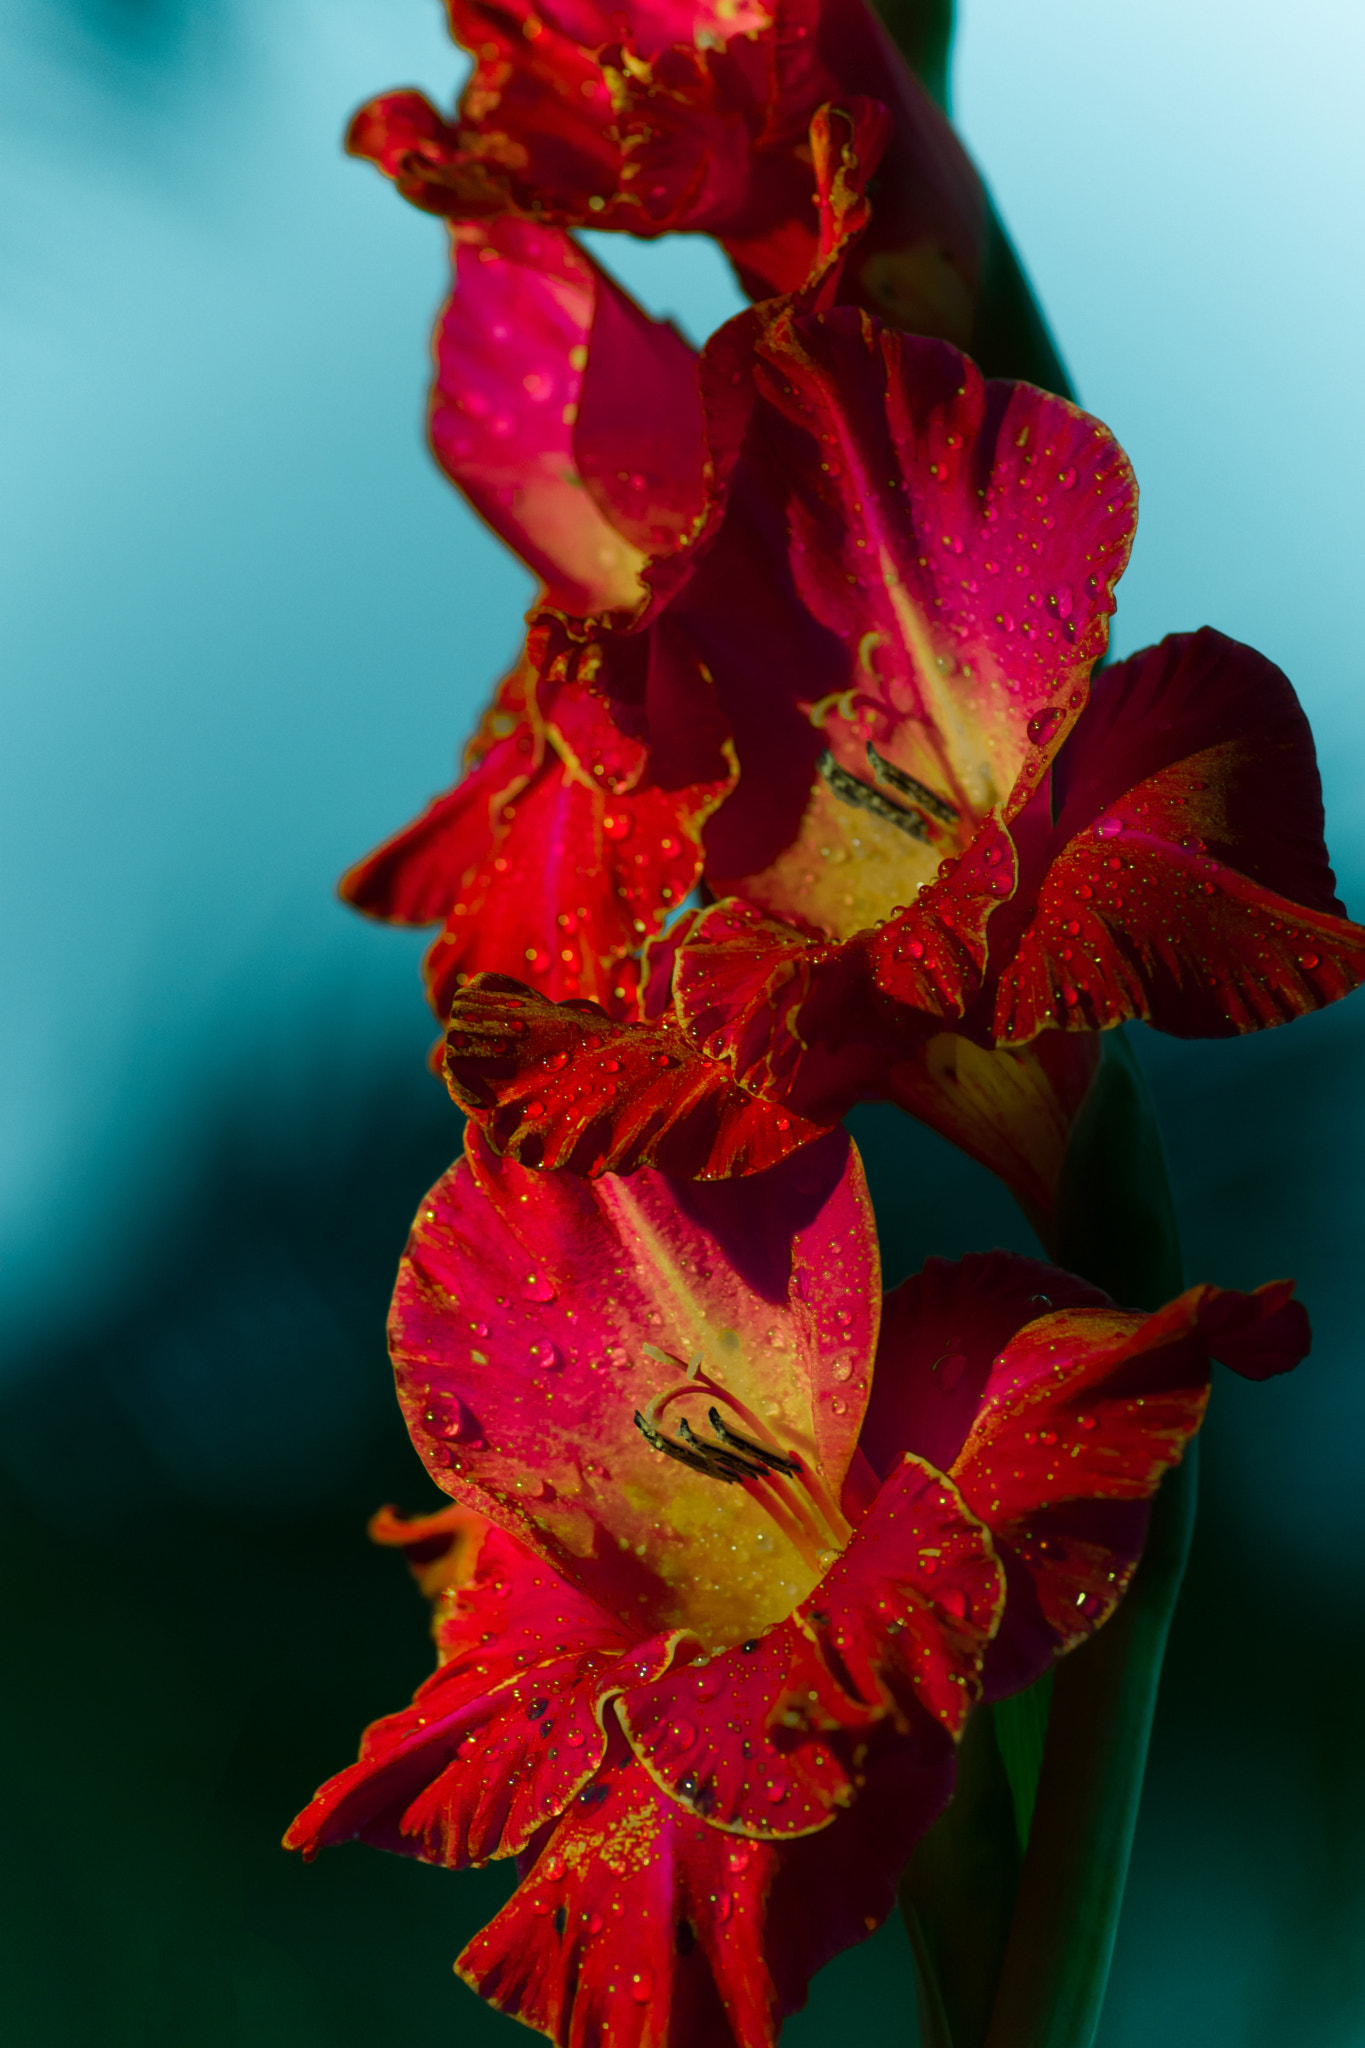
1056	1964
957	1896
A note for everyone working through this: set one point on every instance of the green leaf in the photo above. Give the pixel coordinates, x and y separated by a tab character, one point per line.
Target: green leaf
1021	1732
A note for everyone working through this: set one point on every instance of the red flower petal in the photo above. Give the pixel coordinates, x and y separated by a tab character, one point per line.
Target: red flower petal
551	857
746	1739
640	1925
764	1035
531	334
500	1737
536	1313
1079	1417
897	1627
416	876
1186	881
962	541
561	1085
941	1334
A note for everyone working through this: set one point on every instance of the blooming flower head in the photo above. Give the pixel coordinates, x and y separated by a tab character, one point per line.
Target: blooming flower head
655	119
949	838
732	1556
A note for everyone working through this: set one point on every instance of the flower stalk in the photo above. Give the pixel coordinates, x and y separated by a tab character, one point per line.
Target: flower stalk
1012	1952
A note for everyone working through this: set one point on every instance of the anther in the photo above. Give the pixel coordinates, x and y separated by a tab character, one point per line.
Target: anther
721	1461
906	785
851	791
657	1441
773	1460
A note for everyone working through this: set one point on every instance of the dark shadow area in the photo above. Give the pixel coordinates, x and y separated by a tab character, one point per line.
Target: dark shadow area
197	1628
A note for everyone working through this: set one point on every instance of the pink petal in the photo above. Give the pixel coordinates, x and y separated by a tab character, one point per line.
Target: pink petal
962	541
531	336
535	1313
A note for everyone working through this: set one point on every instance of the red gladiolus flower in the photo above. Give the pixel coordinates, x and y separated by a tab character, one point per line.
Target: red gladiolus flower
573	423
957	856
728	1567
654	119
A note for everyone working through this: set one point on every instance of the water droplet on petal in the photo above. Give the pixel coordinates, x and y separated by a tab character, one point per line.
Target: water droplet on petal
617	824
1109	828
949	1370
535	1287
1043	725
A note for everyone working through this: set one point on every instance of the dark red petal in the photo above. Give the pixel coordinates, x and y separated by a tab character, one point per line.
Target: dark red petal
534	127
1186	881
942	1331
403	136
1081	1414
502	1735
560	1085
637	436
931	956
1258	1335
640	1925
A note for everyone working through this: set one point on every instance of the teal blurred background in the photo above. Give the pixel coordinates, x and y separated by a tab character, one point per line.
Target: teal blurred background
245	626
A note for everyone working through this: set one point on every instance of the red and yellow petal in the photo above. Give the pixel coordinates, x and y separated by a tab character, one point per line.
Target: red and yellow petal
1012	1108
962	541
642	1925
536	1313
563	1086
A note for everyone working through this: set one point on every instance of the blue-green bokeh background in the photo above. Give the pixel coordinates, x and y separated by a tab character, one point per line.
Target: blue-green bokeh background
245	625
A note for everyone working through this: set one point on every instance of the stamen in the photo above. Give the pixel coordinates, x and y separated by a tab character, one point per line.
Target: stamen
723	1461
851	791
792	1494
906	785
773	1460
657	1441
